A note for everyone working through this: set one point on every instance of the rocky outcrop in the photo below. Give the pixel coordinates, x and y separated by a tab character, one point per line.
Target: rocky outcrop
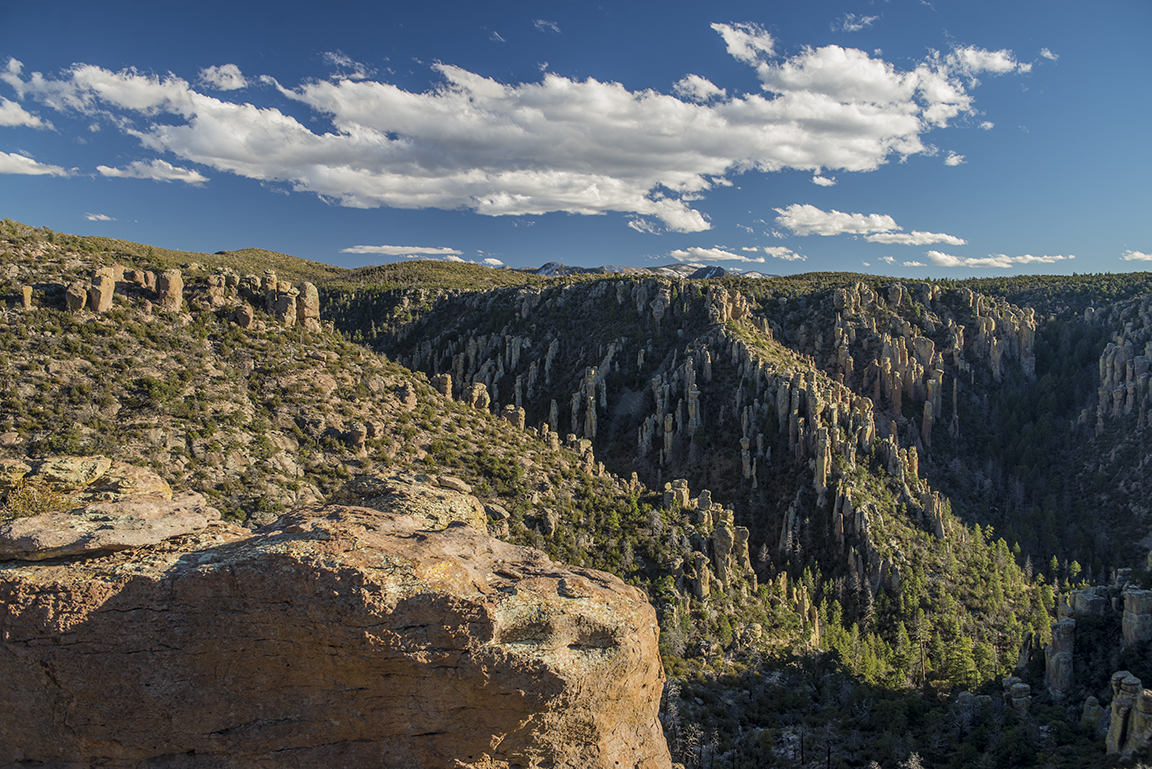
1130	727
1058	658
337	636
87	505
436	501
170	291
1137	620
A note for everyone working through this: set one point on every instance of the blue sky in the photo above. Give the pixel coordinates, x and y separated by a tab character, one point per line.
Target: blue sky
942	139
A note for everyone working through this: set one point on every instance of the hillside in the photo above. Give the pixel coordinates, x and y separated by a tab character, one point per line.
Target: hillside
849	499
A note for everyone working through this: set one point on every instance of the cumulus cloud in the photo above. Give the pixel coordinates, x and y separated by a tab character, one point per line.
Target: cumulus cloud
13	115
546	26
696	254
493	262
98	218
823	181
913	264
529	148
915	238
402	250
850	22
453	258
999	261
698	89
987	125
888	259
953	159
11	163
1136	256
1048	54
810	220
787	254
157	170
226	77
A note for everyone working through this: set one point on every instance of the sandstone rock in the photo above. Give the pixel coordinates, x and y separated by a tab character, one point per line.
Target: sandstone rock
308	307
443	385
9	439
101	291
104	526
284	306
478	396
11	473
1123	735
76	297
435	502
336	637
170	291
448	482
1137	621
26	297
1058	658
71	473
123	480
1091	713
243	316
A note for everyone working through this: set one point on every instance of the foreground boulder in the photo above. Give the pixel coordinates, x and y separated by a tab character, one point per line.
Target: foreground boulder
337	636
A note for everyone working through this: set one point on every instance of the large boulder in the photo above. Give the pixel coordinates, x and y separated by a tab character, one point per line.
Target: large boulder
337	636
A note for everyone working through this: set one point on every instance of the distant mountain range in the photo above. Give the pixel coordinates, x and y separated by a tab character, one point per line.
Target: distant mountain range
689	271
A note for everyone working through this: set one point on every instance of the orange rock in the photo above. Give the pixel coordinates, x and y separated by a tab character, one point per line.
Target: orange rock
337	636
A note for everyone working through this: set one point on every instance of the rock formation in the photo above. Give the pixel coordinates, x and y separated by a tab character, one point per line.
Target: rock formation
1058	658
170	291
1137	621
337	636
1130	727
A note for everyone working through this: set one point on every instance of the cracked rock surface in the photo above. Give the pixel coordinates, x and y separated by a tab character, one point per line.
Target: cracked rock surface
337	636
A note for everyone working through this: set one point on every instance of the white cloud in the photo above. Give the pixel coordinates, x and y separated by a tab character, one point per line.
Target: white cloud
493	262
987	125
999	261
823	181
453	258
850	22
698	89
98	218
786	254
866	264
953	159
888	259
495	37
529	148
226	77
643	225
350	68
157	170
13	115
20	164
810	220
696	254
913	264
915	238
1048	54
1136	256
401	250
748	43
546	26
